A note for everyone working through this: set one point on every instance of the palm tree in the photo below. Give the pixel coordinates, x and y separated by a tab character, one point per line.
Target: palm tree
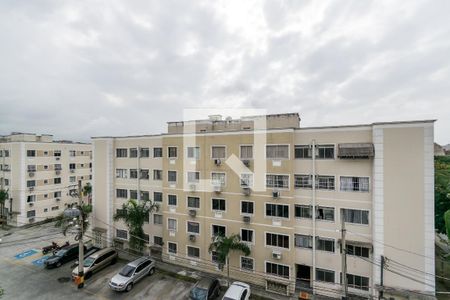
222	245
66	223
134	213
87	191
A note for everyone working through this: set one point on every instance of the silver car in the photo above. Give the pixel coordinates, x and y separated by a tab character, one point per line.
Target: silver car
132	273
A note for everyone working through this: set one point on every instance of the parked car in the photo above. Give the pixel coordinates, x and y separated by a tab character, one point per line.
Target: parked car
132	273
205	289
88	253
237	291
62	256
97	261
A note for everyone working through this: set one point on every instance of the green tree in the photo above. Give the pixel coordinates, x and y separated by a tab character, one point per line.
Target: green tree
134	213
66	223
223	245
87	191
447	223
441	191
3	198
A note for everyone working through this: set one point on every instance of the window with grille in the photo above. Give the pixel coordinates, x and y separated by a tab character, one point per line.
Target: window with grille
172	200
172	248
277	151
218	152
121	173
354	184
303	241
121	193
247	263
218	230
303	211
31	153
277	240
133	194
193	227
218	204
145	195
193	177
172	152
158	240
133	152
121	152
277	269
157	152
277	210
325	151
247	235
172	176
31	213
121	234
145	152
157	197
246	180
356	216
302	151
325	213
72	166
133	174
193	252
144	174
31	168
193	152
247	207
246	152
193	202
324	275
325	244
57	180
172	224
157	219
218	178
356	250
277	181
57	194
357	282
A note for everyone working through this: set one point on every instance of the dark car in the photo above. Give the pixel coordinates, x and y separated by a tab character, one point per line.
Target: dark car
62	256
205	289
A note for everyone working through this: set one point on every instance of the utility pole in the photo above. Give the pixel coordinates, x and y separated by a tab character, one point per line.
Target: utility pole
343	256
380	294
80	239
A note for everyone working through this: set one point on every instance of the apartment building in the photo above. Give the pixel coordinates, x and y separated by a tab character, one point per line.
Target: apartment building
40	175
286	190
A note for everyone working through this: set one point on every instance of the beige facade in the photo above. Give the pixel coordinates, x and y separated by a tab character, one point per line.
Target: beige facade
39	174
265	184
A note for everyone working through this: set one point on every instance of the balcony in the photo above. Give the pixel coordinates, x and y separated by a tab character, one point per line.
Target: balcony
356	151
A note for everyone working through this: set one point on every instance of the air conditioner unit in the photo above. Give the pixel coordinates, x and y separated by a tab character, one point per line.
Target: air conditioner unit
57	158
31	174
246	219
192	237
246	190
72	170
217	162
276	255
58	172
192	213
246	163
58	199
276	194
6	169
30	203
31	188
217	188
193	187
31	220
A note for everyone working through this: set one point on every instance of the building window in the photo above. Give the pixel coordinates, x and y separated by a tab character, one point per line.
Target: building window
214	257
277	151
157	152
144	174
247	207
31	153
172	248
158	240
354	184
31	213
193	227
145	152
31	183
325	182
57	153
121	173
157	197
72	166
218	204
277	210
303	181
31	198
172	200
247	263
193	177
325	213
325	151
277	240
357	282
246	180
325	244
247	235
218	152
193	252
57	194
303	241
218	178
356	216
121	193
172	176
157	219
302	151
45	210
157	174
133	194
145	195
193	202
277	270
133	174
246	152
55	208
133	152
277	181
121	152
360	251
31	168
172	152
324	275
146	238
45	181
303	211
72	179
193	152
218	230
121	234
57	167
172	224
72	153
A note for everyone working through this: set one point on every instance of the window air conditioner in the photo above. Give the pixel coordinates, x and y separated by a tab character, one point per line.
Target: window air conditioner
192	237
246	219
217	162
246	190
276	194
246	163
192	213
276	255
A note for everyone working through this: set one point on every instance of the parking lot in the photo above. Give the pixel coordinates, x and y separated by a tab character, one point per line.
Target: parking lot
23	276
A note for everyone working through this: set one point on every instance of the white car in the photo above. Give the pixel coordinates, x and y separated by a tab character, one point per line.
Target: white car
237	291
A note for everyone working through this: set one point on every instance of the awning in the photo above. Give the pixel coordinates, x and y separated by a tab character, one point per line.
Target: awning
99	229
355	150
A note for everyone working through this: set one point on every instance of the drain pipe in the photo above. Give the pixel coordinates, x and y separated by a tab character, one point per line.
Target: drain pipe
313	155
139	174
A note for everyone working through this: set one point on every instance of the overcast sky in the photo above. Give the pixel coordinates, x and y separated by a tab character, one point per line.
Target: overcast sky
78	69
